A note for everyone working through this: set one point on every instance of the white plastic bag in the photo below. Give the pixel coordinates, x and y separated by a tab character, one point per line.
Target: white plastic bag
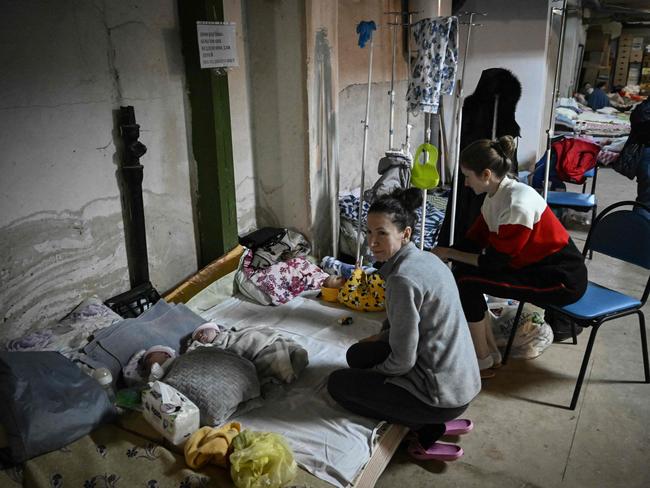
533	334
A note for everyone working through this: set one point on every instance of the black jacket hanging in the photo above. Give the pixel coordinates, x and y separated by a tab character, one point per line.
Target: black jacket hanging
478	115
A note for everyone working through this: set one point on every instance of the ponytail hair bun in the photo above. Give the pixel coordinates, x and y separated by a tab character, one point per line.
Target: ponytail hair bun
507	146
400	206
493	155
411	198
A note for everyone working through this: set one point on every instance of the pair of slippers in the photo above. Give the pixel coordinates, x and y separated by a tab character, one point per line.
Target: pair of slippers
440	451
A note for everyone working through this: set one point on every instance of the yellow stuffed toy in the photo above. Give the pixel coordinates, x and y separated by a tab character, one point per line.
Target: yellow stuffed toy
362	292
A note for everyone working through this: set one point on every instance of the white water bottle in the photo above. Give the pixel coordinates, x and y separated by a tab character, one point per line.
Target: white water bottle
105	378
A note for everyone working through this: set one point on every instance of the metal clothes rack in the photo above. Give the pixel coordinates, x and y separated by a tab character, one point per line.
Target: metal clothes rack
460	100
556	81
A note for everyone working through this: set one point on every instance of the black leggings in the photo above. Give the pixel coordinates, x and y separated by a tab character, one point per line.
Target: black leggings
367	393
535	284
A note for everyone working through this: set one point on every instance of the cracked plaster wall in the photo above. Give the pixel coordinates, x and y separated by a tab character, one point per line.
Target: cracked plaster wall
353	85
65	70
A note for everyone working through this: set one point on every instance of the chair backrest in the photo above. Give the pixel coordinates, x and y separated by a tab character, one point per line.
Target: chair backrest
622	234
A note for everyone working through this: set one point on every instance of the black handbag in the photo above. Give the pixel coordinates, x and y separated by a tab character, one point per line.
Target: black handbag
628	162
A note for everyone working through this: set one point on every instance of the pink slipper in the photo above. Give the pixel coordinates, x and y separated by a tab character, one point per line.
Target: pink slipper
438	451
458	427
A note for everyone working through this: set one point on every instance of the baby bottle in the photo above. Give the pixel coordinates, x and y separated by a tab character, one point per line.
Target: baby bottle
105	378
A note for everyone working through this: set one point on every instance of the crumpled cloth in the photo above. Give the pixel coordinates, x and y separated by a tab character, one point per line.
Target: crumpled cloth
211	445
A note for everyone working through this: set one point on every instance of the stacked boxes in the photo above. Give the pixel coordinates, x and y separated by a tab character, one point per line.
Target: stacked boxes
645	70
632	61
622	60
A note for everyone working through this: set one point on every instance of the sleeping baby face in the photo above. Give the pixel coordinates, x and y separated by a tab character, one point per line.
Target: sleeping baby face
206	336
334	281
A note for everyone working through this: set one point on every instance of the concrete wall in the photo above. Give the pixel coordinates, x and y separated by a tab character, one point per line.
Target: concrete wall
512	36
322	99
66	68
353	85
240	119
279	119
575	35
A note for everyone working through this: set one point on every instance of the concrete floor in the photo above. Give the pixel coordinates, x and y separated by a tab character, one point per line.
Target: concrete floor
524	434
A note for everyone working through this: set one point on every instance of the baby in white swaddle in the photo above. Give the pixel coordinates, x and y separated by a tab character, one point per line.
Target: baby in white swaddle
276	358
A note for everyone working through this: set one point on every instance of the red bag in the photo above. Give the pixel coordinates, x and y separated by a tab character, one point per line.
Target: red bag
574	158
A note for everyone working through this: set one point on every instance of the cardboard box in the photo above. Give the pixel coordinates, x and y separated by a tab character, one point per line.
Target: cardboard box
634	74
637	44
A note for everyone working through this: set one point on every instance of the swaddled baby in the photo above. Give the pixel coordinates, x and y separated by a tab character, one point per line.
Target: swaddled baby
206	333
148	365
276	358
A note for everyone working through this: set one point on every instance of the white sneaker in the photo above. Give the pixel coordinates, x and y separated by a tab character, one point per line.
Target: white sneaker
496	359
486	363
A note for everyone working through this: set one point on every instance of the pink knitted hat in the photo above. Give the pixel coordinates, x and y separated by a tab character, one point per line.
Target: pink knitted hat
165	349
207	325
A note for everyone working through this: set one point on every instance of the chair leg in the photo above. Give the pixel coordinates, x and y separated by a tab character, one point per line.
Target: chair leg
583	367
513	332
593	217
574	335
644	346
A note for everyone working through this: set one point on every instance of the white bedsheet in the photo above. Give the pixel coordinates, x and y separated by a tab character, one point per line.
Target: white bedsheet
328	441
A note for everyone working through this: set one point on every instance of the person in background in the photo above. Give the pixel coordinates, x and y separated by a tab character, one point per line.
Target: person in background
420	370
516	248
598	98
636	154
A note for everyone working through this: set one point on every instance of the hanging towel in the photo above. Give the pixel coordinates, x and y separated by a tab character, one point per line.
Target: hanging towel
434	71
364	29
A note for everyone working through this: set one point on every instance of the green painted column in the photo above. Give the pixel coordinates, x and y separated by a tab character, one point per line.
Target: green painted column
211	138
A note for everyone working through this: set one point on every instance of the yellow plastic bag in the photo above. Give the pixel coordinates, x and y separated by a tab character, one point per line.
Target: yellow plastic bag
363	292
261	460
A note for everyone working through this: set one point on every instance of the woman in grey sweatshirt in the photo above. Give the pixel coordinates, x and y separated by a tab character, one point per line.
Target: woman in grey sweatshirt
420	370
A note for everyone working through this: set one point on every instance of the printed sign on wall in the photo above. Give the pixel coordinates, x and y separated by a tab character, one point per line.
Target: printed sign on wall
217	44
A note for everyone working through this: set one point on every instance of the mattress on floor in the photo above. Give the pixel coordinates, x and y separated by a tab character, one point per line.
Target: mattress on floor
328	441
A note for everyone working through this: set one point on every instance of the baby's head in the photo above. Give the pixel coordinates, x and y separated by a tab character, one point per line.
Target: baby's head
330	287
334	281
157	355
205	333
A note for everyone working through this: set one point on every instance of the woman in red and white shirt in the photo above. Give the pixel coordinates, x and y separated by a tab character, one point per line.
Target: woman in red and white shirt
516	248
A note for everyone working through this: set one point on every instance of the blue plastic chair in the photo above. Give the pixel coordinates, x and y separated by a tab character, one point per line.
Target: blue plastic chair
582	202
620	234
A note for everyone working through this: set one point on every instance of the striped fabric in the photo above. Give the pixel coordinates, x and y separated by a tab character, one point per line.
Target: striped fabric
349	208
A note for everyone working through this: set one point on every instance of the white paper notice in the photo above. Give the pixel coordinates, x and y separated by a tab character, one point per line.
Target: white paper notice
217	45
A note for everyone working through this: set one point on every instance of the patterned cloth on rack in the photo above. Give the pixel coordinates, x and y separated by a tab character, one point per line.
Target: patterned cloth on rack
434	71
349	208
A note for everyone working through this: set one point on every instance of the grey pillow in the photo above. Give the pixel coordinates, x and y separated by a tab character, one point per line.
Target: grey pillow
47	403
217	381
163	324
